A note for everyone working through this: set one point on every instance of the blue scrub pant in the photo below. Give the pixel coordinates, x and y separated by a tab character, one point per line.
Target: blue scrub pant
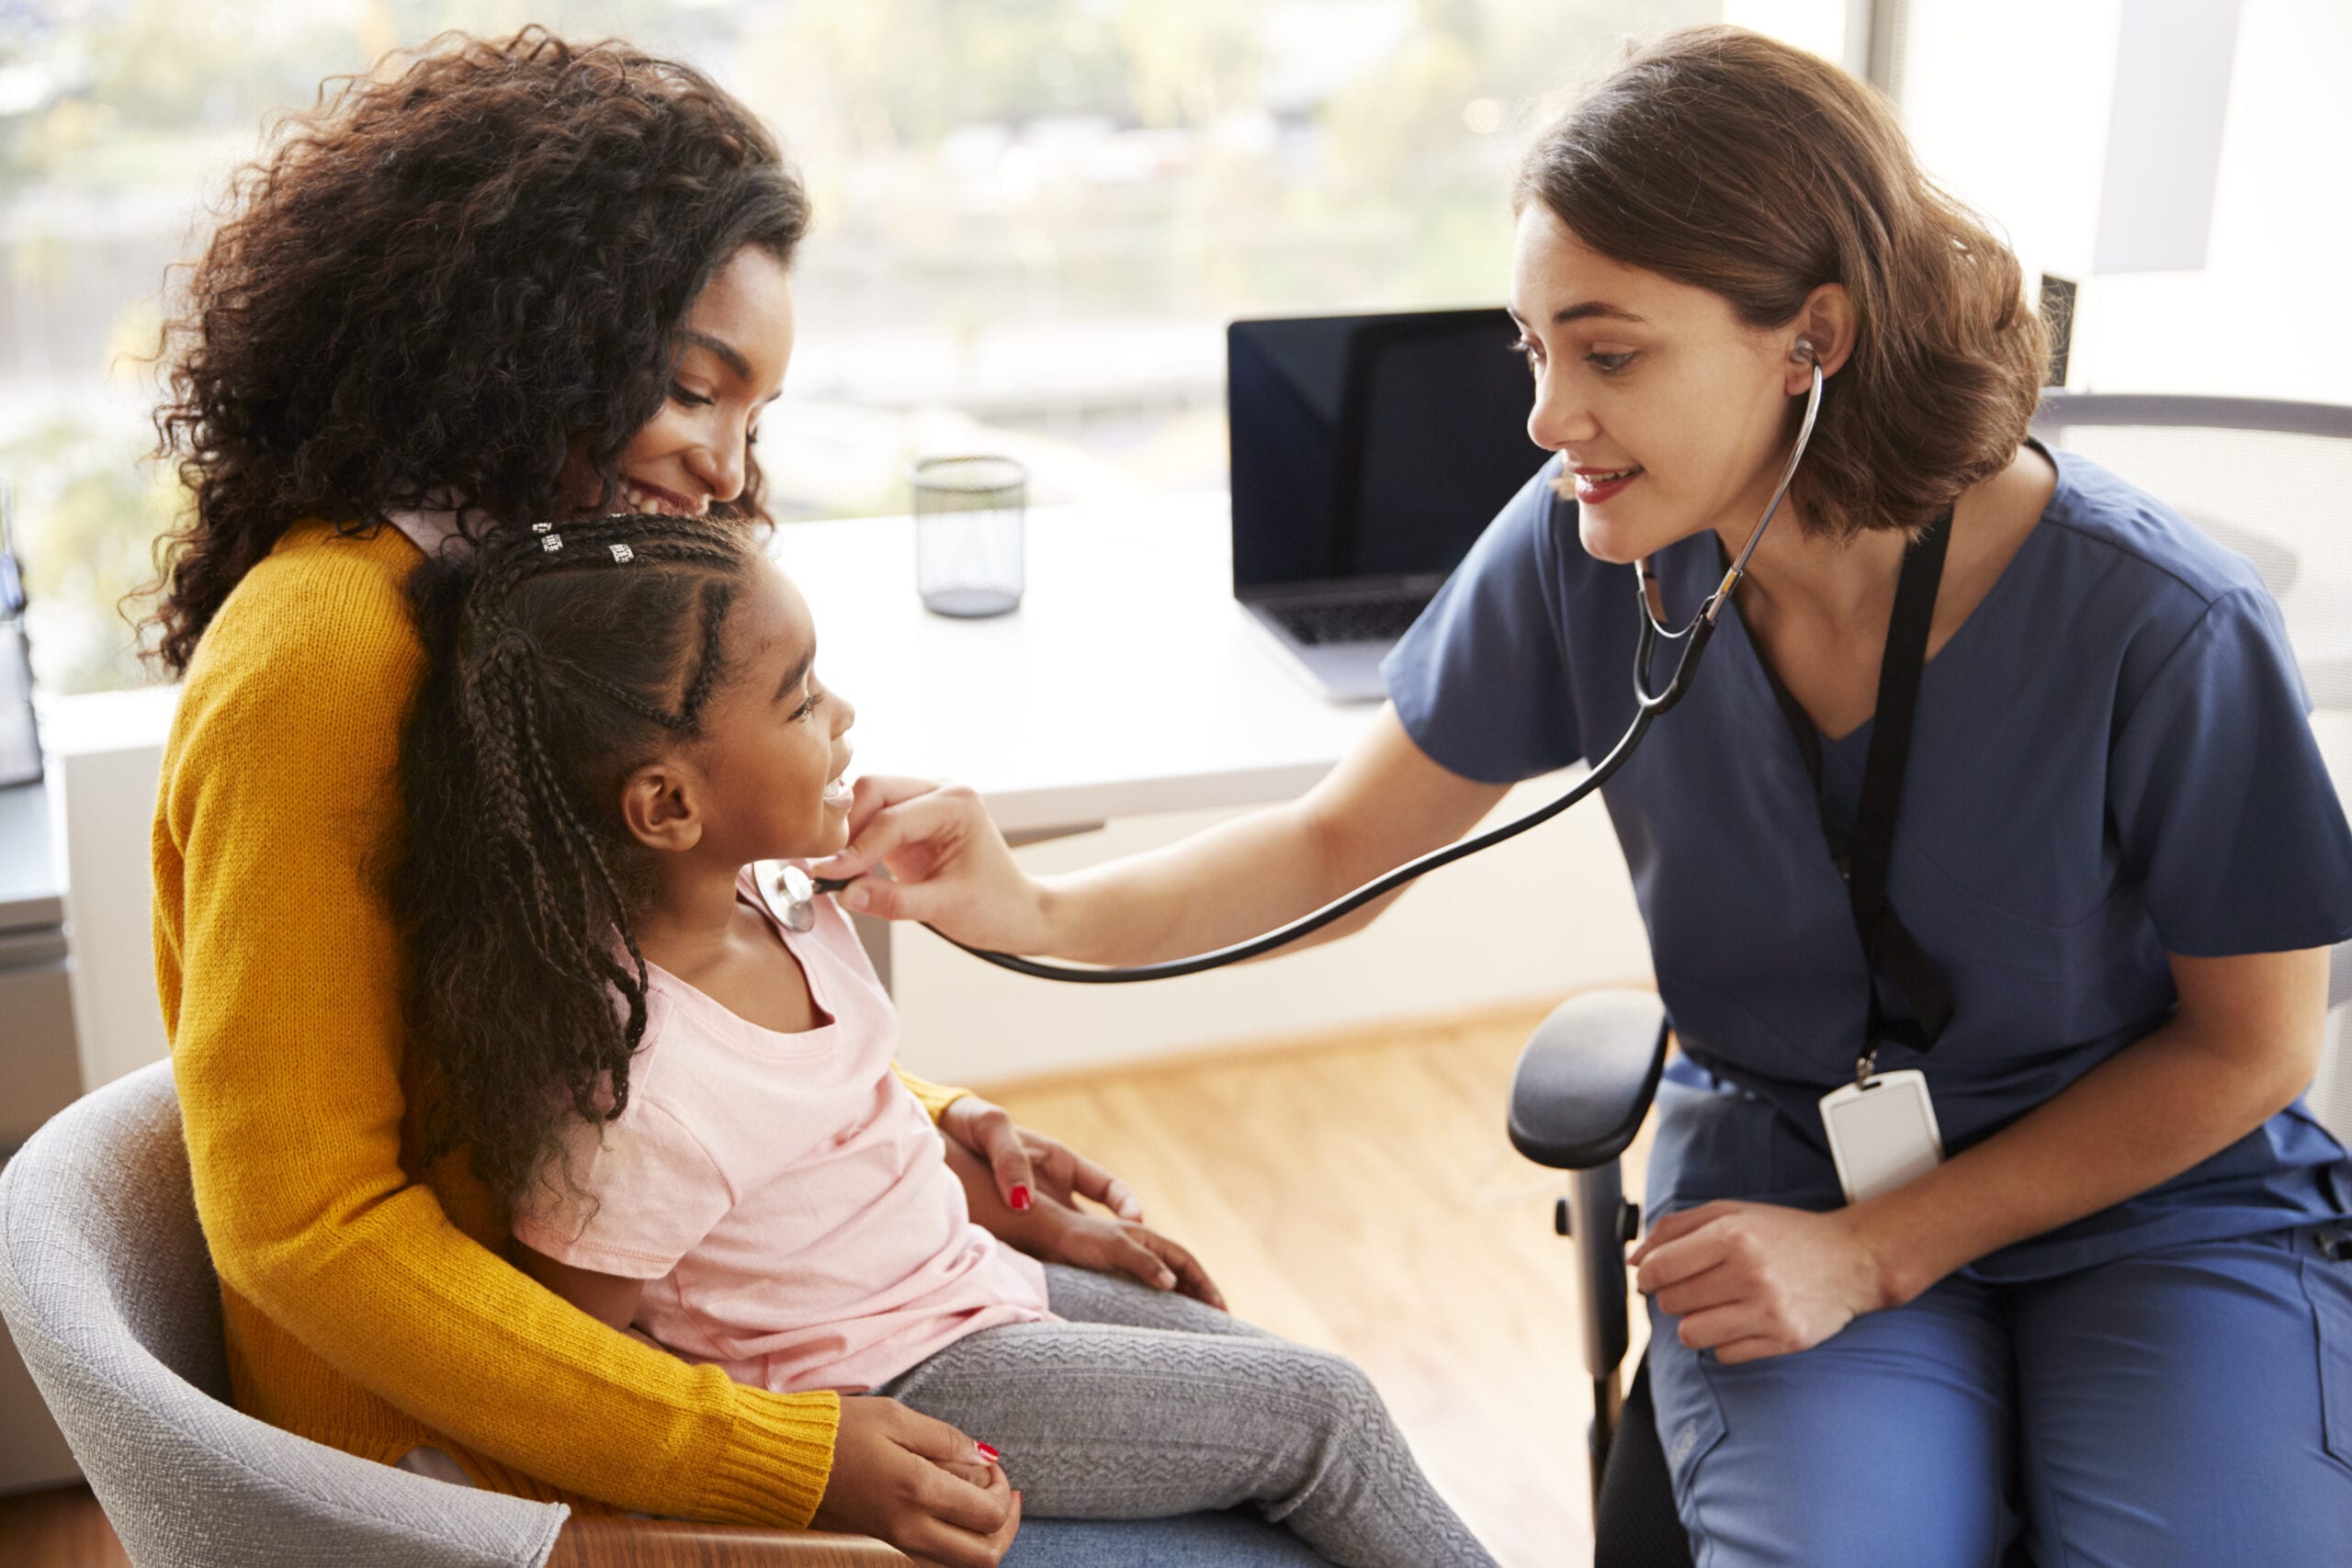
2188	1406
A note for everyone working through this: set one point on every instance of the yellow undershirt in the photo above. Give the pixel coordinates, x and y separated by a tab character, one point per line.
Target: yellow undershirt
367	1302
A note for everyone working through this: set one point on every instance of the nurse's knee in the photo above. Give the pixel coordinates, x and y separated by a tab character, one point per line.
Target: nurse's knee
1886	1445
1860	1522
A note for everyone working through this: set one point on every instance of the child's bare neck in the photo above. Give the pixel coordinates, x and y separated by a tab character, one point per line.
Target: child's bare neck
690	920
696	927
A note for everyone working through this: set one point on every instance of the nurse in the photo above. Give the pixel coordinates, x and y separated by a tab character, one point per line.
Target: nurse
2115	1324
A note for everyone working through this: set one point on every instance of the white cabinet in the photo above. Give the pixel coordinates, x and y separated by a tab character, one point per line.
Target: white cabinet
40	1074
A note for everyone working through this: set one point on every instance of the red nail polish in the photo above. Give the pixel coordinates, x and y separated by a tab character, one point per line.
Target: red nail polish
987	1454
1020	1197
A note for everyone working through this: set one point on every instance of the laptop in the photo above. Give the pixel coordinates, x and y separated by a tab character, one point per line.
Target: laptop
1368	453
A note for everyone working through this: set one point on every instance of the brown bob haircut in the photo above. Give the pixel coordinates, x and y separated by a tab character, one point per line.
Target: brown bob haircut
1724	159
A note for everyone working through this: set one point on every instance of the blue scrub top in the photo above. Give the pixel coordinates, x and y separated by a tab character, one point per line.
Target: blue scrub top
2113	759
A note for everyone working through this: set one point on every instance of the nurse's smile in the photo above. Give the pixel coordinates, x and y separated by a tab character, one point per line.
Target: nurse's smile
1597	485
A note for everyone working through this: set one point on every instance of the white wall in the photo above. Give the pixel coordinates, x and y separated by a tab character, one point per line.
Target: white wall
2267	315
2008	103
104	754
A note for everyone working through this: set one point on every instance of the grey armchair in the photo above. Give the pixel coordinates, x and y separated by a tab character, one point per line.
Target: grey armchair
107	1287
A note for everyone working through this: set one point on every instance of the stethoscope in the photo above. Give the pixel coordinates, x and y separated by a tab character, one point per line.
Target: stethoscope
796	892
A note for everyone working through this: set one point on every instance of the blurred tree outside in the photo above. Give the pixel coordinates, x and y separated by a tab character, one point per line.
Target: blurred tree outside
1033	217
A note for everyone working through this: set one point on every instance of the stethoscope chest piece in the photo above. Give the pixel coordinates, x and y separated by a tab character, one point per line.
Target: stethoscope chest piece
791	893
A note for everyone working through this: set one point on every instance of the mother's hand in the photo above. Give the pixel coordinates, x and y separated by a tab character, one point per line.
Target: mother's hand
1755	1280
918	1483
948	865
1026	1163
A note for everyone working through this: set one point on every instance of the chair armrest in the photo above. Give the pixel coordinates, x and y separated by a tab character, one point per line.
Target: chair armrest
1587	1078
608	1542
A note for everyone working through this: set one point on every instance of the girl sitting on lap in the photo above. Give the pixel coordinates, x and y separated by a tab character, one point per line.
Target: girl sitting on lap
689	1104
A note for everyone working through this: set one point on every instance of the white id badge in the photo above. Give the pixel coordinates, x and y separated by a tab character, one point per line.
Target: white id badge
1882	1132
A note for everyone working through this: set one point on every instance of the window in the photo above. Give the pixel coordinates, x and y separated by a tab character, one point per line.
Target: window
1034	217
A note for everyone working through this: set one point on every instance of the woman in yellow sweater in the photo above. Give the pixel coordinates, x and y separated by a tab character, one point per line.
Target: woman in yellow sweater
526	281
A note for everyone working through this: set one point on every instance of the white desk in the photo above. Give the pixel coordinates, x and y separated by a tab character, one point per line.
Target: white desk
1128	682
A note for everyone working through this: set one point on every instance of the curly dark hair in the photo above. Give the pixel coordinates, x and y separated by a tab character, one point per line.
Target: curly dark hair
553	675
1725	159
452	283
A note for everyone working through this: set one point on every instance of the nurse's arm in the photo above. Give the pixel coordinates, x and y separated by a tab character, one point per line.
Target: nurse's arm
2243	1044
1385	803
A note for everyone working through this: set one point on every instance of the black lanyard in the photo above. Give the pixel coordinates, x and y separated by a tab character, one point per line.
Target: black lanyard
1862	860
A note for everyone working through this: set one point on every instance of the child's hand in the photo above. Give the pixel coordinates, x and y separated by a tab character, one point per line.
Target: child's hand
1054	1230
1114	1245
1028	1165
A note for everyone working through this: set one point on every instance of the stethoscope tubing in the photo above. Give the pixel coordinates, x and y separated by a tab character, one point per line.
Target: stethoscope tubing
1648	707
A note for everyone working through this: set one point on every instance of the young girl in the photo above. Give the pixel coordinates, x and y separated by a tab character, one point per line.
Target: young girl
689	1102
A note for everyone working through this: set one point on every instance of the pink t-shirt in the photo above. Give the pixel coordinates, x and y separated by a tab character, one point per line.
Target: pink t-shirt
784	1195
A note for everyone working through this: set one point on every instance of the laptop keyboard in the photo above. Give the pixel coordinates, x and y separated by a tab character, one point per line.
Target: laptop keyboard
1382	619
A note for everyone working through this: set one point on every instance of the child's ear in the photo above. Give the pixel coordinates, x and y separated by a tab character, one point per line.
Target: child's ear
661	805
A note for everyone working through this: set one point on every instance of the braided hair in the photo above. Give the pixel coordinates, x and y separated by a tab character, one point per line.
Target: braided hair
562	657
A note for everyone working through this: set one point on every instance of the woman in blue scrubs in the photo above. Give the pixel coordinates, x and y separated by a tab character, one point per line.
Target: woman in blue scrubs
2114	1327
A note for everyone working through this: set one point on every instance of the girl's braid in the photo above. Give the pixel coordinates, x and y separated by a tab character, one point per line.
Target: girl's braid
514	885
717	595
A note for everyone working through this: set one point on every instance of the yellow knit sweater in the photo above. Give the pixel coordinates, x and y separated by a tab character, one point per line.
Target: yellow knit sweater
367	1302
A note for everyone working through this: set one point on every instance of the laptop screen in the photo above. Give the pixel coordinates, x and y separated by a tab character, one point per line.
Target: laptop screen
1371	450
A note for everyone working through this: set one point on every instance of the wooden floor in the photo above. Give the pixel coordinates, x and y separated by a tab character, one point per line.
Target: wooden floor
1355	1192
57	1529
1358	1193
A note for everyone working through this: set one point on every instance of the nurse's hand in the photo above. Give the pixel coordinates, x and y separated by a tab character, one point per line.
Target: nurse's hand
949	867
1749	1281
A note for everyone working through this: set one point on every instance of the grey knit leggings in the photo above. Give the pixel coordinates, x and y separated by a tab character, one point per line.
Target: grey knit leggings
1147	1402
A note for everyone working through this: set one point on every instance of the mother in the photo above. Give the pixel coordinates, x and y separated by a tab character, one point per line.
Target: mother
516	281
2116	1326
